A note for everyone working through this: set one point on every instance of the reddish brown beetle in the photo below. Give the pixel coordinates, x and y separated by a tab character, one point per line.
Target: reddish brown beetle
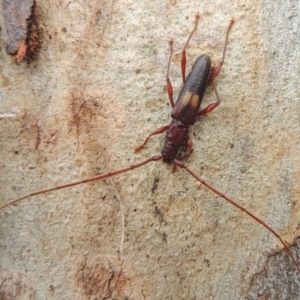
184	113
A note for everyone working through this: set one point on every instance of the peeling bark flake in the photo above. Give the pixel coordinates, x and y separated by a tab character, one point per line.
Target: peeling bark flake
23	29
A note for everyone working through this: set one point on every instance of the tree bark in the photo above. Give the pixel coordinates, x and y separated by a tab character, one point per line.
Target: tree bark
95	91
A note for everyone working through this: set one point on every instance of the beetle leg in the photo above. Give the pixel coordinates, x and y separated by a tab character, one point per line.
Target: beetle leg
212	106
217	69
157	131
169	84
190	148
183	54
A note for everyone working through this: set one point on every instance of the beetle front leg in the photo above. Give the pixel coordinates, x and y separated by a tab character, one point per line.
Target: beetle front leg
157	131
190	148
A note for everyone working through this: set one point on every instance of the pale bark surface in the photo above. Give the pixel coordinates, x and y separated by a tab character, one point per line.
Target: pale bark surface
95	92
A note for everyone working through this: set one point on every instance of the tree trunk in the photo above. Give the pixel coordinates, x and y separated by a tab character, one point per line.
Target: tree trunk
95	91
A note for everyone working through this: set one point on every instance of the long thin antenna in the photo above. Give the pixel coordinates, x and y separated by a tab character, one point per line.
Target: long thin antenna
182	165
107	175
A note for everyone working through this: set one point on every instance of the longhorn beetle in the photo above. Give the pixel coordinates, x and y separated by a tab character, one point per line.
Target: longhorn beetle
184	113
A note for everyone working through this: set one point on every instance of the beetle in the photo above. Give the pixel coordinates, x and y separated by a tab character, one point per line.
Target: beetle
184	114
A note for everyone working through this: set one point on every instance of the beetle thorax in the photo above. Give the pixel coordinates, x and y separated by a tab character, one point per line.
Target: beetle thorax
176	137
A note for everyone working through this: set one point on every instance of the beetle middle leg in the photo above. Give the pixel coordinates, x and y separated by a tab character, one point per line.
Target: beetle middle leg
209	108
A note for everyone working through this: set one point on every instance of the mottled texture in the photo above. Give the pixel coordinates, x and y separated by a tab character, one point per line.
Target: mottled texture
96	91
22	27
278	279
